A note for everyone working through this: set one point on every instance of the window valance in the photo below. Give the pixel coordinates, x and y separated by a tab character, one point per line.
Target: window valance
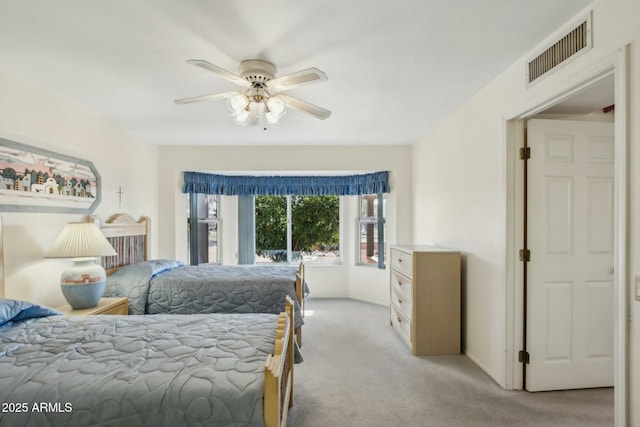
297	185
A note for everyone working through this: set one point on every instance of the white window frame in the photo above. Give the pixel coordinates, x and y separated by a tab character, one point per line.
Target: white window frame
217	221
375	220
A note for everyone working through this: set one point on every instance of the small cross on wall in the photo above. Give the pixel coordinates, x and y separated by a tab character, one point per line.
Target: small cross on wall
120	192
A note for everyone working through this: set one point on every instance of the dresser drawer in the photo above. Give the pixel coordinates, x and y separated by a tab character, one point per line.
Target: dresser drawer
119	309
401	283
401	324
402	261
403	303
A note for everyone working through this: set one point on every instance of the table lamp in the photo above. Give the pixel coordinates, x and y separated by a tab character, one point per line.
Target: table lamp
83	283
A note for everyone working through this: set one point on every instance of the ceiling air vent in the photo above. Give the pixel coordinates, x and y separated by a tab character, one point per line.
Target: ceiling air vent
576	41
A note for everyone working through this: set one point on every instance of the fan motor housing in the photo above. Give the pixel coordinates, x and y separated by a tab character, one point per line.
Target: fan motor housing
257	70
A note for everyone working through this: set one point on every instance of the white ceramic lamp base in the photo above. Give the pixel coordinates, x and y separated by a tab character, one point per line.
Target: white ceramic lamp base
83	283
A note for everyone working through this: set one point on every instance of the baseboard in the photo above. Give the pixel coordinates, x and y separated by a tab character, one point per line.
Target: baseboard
370	301
351	298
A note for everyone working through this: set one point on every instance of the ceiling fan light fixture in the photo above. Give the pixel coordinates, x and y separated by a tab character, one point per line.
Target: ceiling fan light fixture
271	120
238	103
241	119
274	110
276	106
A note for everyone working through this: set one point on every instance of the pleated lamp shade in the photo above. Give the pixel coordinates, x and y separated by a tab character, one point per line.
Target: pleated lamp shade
83	283
80	239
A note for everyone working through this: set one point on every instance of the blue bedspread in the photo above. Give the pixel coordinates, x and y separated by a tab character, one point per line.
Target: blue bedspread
171	287
164	370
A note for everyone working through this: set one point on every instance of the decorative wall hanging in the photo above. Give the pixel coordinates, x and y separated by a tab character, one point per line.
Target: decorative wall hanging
37	180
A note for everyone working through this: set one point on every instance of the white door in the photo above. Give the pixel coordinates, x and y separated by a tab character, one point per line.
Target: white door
570	228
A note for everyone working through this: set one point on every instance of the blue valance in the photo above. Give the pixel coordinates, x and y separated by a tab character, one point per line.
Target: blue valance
298	185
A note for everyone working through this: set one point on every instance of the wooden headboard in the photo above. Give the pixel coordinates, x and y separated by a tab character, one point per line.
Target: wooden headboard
130	239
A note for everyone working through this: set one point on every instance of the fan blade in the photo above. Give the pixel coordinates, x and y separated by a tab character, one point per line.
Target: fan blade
220	71
212	97
310	75
305	107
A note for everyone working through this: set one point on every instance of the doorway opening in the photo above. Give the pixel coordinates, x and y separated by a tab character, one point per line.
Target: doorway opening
603	77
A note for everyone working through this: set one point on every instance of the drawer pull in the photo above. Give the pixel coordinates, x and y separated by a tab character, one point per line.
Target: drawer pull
399	319
399	301
399	259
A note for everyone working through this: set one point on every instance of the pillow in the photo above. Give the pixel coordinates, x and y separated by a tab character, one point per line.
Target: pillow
14	310
150	268
132	281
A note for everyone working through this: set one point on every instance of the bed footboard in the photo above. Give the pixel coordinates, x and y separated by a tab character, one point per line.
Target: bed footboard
300	287
278	372
300	296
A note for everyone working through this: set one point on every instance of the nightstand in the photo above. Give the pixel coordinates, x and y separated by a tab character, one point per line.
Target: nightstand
105	306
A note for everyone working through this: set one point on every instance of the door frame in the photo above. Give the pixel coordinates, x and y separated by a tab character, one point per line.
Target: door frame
615	64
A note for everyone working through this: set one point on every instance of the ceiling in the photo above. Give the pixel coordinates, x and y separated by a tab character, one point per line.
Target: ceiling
592	99
395	68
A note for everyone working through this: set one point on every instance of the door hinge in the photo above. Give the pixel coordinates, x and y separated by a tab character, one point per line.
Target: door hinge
523	357
525	153
525	255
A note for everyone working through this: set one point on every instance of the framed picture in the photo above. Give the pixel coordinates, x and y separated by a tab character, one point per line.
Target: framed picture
37	180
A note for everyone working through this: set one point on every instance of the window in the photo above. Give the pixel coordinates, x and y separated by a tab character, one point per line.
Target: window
371	230
204	234
297	228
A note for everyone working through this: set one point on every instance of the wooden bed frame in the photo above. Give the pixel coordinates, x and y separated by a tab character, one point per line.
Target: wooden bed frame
278	372
131	240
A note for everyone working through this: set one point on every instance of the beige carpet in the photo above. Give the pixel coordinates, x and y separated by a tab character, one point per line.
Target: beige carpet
357	372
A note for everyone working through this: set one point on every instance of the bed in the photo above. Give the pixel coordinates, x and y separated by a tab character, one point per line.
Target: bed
171	287
164	370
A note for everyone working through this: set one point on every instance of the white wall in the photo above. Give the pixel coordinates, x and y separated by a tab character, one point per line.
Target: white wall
35	117
365	283
458	182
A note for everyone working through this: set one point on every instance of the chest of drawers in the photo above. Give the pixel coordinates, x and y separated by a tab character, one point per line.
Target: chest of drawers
425	298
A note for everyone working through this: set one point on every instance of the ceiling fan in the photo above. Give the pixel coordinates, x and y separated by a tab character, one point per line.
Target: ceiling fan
260	101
